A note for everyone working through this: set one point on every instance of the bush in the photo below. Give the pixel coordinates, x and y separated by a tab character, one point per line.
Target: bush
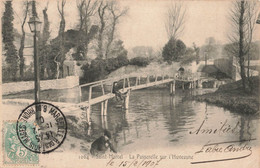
99	68
139	61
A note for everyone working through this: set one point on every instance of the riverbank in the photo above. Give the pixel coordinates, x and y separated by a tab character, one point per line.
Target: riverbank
232	97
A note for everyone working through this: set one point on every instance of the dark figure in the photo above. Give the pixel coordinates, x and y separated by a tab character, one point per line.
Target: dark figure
116	91
100	145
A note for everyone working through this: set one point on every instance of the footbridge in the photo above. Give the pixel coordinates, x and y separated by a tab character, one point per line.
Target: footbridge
127	84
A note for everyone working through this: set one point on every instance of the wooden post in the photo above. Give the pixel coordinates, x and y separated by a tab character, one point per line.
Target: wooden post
173	87
90	94
105	107
199	84
124	85
128	82
80	94
215	84
182	85
147	80
126	100
88	114
102	86
136	81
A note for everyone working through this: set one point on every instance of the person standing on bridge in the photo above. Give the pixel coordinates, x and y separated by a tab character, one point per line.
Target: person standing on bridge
116	91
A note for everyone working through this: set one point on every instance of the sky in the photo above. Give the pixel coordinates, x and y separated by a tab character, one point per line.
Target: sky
144	23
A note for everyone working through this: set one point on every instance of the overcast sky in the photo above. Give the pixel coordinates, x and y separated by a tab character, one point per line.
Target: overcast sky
144	24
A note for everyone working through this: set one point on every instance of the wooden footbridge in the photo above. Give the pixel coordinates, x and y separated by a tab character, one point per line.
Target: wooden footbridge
128	84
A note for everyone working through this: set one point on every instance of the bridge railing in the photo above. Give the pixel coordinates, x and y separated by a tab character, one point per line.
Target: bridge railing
127	83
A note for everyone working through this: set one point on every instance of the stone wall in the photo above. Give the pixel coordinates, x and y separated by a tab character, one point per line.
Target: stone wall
225	66
64	83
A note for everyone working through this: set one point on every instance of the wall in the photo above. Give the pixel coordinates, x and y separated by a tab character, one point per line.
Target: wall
64	83
225	66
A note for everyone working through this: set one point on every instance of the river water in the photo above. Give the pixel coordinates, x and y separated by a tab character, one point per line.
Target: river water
157	120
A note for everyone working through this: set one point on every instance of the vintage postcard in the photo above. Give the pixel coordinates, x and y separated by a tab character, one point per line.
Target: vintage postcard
130	83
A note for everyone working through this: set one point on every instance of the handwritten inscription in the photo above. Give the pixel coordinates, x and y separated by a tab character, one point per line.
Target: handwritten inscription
230	150
223	128
134	163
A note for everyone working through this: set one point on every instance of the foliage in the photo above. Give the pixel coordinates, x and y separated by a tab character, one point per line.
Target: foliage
94	71
99	68
8	40
189	56
173	50
229	51
118	49
139	61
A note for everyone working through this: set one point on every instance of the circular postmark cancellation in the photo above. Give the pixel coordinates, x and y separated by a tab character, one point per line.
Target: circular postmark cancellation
46	136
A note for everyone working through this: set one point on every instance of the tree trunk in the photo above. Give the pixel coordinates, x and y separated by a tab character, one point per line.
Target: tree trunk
241	47
21	54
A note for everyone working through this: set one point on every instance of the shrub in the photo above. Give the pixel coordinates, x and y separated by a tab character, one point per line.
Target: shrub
139	61
99	68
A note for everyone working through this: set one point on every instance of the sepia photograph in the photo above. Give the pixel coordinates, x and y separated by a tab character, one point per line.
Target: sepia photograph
130	83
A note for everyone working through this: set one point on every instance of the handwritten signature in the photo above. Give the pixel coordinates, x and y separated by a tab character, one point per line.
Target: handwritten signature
238	149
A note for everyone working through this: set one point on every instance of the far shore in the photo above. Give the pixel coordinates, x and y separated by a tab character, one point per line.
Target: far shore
232	97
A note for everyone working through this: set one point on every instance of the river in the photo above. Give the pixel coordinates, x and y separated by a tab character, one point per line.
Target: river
157	120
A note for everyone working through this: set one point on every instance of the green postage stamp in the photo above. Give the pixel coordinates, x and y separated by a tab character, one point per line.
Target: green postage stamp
14	152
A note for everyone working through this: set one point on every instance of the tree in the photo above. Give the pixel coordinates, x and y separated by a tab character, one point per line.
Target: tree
242	18
211	47
116	14
197	51
175	20
102	9
60	57
8	40
118	49
86	9
21	65
173	50
44	48
189	56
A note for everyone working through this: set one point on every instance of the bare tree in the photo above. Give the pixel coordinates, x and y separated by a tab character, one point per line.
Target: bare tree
242	19
175	20
102	9
116	14
43	46
26	9
86	9
60	56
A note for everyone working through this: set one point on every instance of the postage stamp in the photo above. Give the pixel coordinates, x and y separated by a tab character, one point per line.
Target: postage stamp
14	152
47	134
130	83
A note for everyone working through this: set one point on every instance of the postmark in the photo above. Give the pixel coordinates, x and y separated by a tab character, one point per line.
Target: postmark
46	136
14	152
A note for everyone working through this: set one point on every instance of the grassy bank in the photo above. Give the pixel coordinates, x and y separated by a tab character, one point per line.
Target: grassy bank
232	97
